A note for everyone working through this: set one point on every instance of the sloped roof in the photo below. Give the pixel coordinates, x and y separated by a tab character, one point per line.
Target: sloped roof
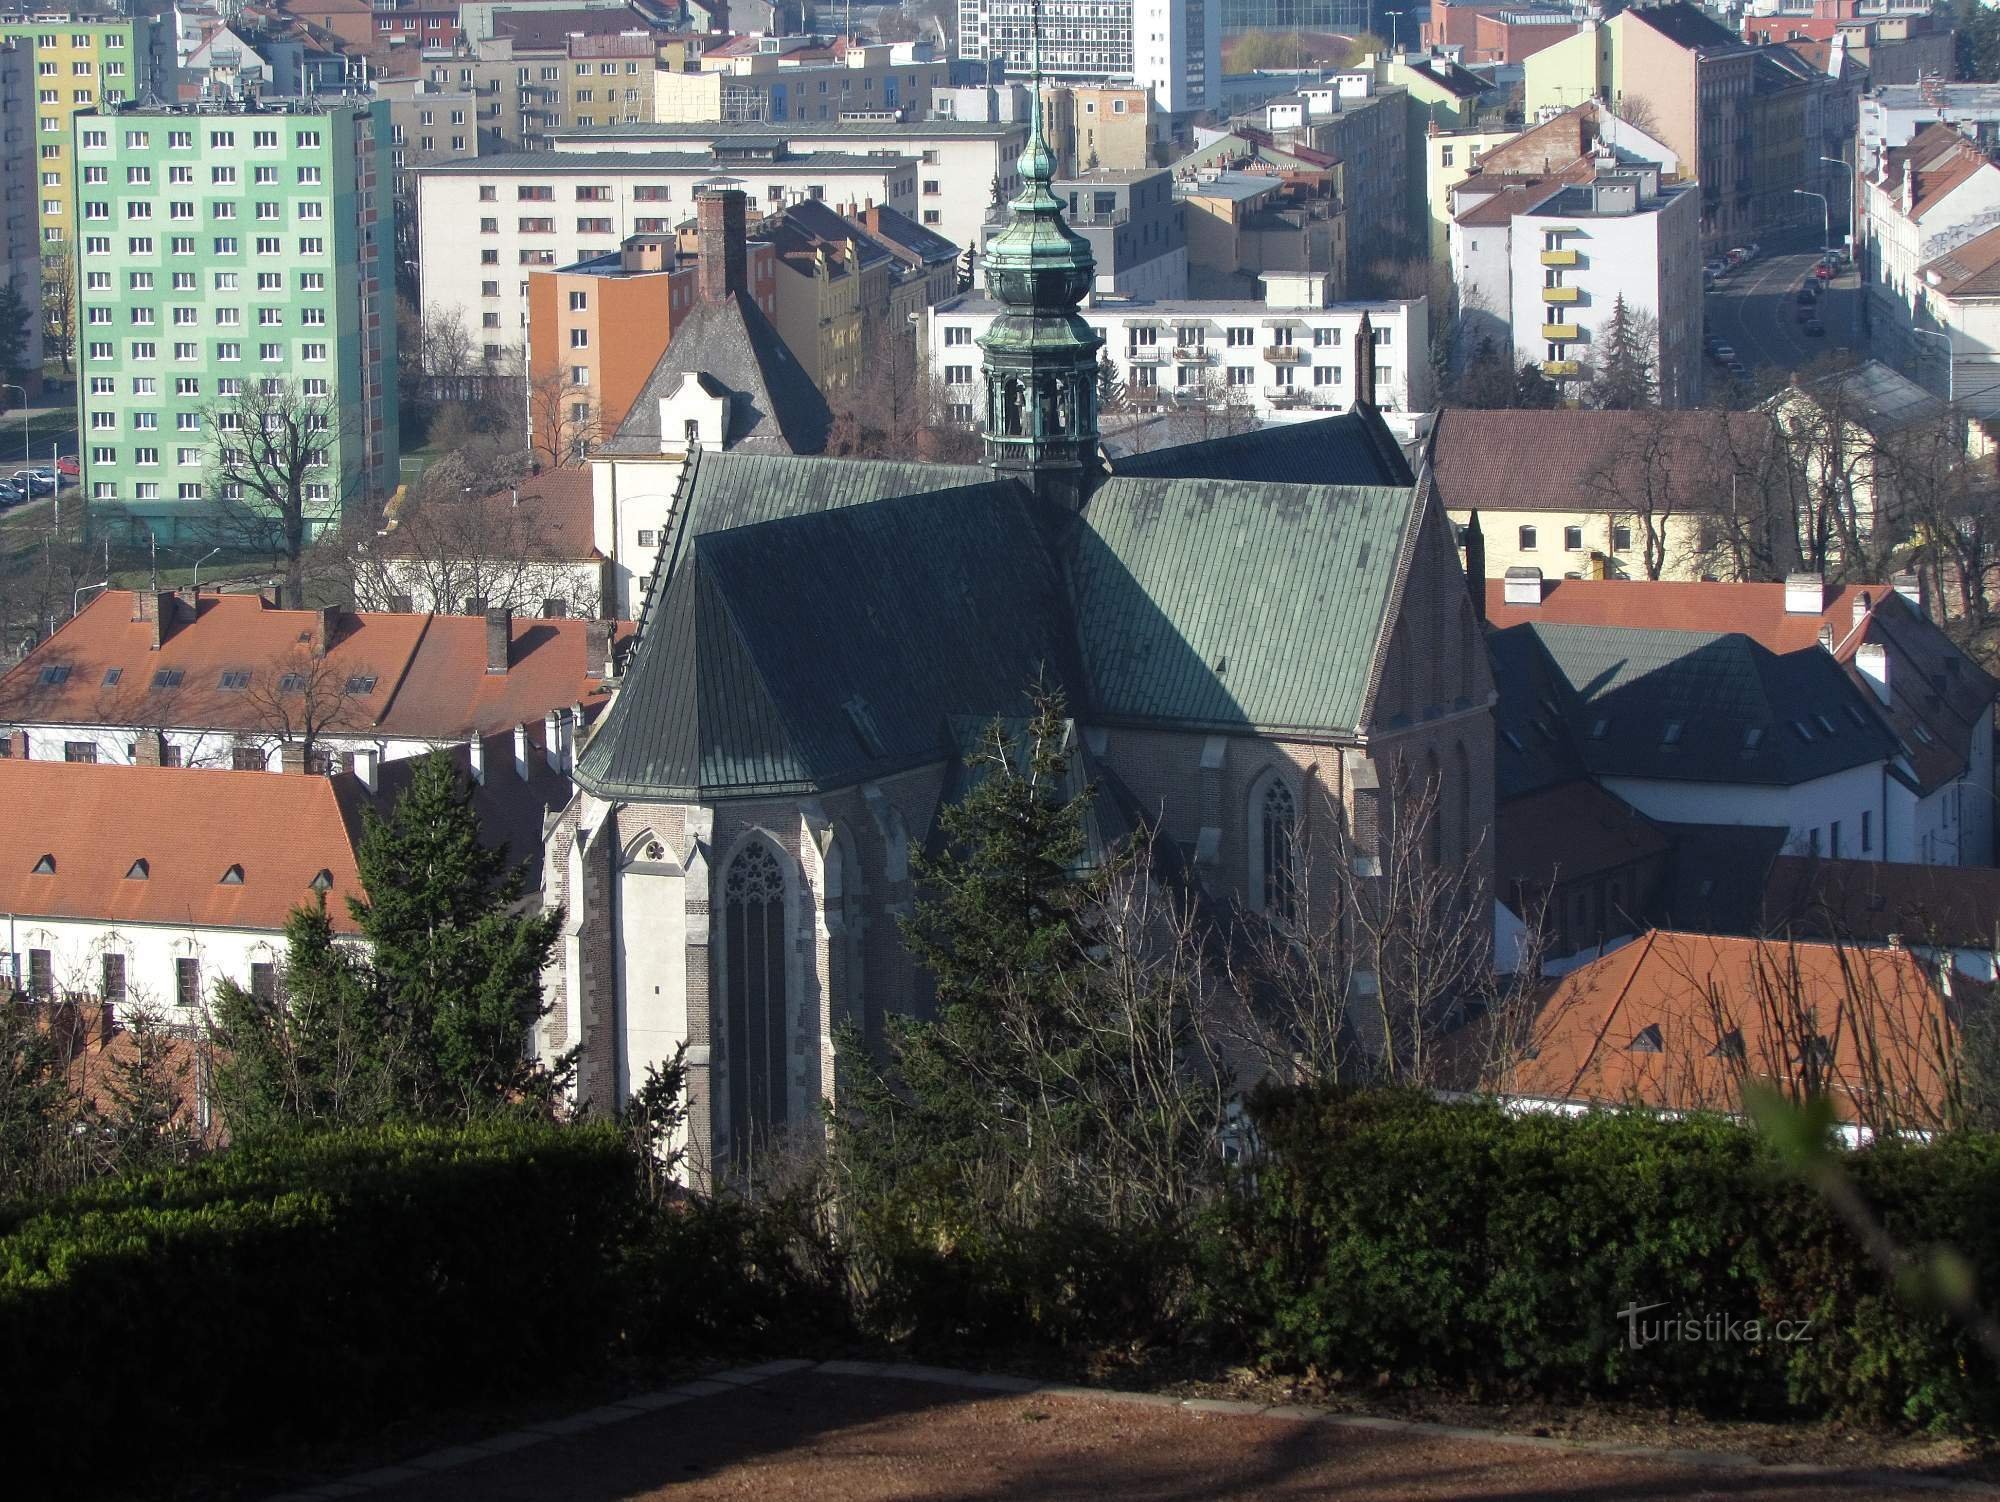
542	30
1569	831
774	406
1688	26
1569	460
1354	447
546	517
190	828
1873	901
1501	207
1664	1021
1968	270
1938	159
420	677
1703	706
801	229
1193	596
730	702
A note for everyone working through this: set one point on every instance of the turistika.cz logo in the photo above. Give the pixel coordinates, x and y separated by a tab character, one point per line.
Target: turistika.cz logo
1709	1328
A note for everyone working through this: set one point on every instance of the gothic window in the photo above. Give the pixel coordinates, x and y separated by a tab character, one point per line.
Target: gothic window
655	851
1276	817
753	895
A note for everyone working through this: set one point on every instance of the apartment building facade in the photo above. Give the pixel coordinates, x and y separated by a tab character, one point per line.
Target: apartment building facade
222	245
84	60
774	85
485	226
961	160
19	221
1290	356
1172	47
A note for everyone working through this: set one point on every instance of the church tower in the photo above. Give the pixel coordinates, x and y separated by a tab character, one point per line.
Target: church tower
1040	355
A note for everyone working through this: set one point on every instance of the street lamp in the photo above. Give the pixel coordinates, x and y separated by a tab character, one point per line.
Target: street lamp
1825	213
1950	361
1395	28
1846	176
197	567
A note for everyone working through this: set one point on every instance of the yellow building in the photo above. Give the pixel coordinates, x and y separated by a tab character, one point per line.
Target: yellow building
1450	157
81	61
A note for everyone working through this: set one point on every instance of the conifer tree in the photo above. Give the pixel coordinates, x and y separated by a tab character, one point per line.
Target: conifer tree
1624	378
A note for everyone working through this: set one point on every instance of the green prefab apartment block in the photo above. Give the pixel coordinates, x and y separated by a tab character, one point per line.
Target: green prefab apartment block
232	254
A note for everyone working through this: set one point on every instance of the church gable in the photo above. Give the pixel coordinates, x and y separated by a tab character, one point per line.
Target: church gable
1429	659
1217	604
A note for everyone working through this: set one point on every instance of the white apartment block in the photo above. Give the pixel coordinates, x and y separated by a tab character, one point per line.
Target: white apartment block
1541	269
959	160
485	224
770	84
1291	356
1172	47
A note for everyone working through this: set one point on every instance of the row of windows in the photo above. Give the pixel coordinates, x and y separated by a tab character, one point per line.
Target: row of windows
222	245
146	317
222	281
225	386
221	208
183	140
262	176
227	349
1235	336
41	979
1621	539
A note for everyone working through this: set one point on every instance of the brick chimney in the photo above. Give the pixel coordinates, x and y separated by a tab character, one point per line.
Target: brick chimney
156	606
597	648
499	638
720	219
292	757
149	749
1364	363
325	629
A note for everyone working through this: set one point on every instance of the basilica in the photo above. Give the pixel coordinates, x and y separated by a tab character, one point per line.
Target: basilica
1250	633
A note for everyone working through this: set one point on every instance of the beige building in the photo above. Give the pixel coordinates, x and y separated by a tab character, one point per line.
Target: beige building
774	81
1240	225
832	292
1114	126
1450	157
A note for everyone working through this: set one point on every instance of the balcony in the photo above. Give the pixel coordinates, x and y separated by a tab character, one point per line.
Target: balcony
1192	354
1557	370
1560	333
1562	294
1559	258
1283	354
1146	354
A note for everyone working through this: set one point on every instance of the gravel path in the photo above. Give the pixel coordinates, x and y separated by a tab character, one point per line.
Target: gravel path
855	1436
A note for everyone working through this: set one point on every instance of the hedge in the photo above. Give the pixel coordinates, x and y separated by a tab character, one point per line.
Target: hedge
1391	1237
300	1291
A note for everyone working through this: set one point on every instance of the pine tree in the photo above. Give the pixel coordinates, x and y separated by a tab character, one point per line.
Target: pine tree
459	969
1534	391
320	1053
1624	378
37	1106
149	1111
1110	385
14	316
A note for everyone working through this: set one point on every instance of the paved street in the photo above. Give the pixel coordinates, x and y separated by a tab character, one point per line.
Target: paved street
1755	309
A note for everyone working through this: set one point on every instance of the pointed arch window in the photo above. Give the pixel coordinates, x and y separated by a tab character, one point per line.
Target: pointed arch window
1278	826
753	894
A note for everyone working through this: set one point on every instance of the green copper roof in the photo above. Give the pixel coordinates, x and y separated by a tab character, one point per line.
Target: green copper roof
1230	605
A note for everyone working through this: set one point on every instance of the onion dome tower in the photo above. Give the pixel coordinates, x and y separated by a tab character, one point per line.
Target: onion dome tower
1040	355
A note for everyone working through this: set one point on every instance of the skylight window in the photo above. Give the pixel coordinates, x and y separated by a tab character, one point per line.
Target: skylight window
361	683
1753	738
322	882
1512	740
1854	714
1923	733
292	683
112	675
233	877
1824	723
1802	730
167	678
235	679
1728	1046
1649	1040
1671	736
1598	729
54	674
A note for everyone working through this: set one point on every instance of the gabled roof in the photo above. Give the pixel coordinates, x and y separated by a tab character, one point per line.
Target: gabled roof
1193	597
417	677
1702	706
1688	26
1938	159
546	517
95	822
728	699
902	233
774	406
1674	1020
1970	269
1569	460
1356	446
798	231
1872	902
1568	832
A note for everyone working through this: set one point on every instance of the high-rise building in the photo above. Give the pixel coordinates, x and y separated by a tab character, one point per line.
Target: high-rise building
84	60
228	248
20	236
1169	46
1343	17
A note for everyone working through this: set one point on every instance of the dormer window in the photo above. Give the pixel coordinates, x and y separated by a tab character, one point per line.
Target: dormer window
323	881
139	870
1648	1039
233	877
46	866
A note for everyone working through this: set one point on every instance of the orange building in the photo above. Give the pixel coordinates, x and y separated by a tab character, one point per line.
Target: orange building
597	328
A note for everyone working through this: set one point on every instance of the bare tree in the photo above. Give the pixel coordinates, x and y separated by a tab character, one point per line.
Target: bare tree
1950	501
898	408
305	698
1645	477
443	552
276	468
564	421
59	306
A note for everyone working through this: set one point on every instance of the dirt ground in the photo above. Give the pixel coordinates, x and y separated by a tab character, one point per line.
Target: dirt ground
875	1438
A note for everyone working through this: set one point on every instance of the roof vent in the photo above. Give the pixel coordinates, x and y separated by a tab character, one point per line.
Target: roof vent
1522	585
46	866
233	877
140	870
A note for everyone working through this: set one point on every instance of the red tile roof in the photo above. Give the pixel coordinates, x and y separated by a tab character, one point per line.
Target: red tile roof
546	517
1755	610
1651	1024
190	828
1568	460
418	677
1968	270
1939	160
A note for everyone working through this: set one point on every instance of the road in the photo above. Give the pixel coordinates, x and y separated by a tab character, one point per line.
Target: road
1754	309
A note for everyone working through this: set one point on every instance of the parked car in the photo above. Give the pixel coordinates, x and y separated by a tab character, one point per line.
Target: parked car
1806	314
1806	296
1723	353
1822	273
1716	267
1738	369
1816	329
33	483
44	472
11	494
67	465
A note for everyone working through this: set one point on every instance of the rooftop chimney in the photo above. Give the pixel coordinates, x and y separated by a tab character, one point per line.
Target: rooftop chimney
1911	588
499	638
1805	594
325	629
597	649
1522	585
292	757
720	219
521	751
1364	366
475	753
1873	660
1862	605
157	607
1825	637
367	765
